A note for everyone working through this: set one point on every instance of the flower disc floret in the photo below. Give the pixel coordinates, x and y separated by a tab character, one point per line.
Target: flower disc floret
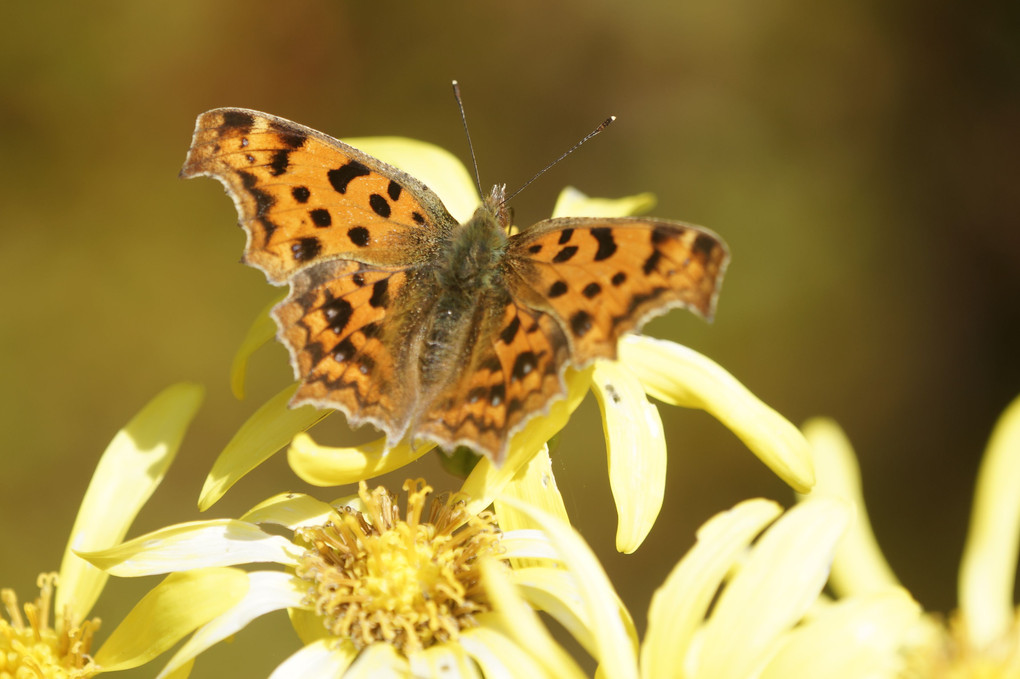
406	582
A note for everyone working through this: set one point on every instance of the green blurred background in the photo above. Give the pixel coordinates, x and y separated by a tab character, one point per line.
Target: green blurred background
861	159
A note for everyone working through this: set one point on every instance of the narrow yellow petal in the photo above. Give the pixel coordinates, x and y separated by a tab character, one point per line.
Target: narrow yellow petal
680	376
499	656
989	561
268	591
130	469
262	329
523	625
636	446
535	485
486	480
443	660
678	607
436	167
326	466
859	566
174	608
292	510
322	659
861	636
574	203
197	544
616	650
265	432
378	661
553	591
776	585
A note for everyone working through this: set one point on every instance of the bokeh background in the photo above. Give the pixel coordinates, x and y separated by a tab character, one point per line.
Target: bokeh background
860	158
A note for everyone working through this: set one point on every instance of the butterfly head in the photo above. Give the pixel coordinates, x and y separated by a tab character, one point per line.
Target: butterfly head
496	204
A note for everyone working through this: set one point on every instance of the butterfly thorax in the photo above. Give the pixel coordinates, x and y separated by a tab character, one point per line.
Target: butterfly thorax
468	273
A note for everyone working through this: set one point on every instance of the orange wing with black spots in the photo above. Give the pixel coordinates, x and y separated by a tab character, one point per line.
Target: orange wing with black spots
514	371
601	278
304	197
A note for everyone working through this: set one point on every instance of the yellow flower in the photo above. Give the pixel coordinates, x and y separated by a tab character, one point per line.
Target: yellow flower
636	446
372	590
739	608
982	638
54	636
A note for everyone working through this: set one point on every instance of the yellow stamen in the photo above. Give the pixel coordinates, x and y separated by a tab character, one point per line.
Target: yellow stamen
404	582
29	647
945	653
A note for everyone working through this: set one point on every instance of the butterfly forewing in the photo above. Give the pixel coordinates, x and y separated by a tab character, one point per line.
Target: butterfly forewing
602	278
304	197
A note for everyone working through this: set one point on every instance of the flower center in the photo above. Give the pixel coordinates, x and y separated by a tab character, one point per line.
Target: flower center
377	577
29	647
947	654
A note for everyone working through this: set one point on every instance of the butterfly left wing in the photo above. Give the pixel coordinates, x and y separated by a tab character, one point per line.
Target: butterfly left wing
602	278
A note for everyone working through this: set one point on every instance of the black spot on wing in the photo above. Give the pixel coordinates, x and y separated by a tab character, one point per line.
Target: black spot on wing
556	289
305	249
652	262
358	235
418	218
508	333
607	244
394	191
238	119
618	278
661	234
343	350
581	323
523	365
338	313
379	205
380	293
703	246
301	194
320	217
591	290
345	174
280	162
565	254
565	236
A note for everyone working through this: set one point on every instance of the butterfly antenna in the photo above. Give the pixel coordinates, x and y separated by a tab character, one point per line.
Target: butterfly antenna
603	125
467	133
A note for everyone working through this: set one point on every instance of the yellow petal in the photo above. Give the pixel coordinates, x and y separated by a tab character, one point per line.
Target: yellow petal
379	660
522	624
862	636
859	566
127	474
436	167
535	485
262	329
636	447
441	661
989	561
573	203
292	510
499	656
268	591
323	659
326	466
197	544
267	431
779	581
174	608
553	592
678	607
615	646
487	480
680	376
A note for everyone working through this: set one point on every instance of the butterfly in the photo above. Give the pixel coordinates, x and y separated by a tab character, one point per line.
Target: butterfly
404	318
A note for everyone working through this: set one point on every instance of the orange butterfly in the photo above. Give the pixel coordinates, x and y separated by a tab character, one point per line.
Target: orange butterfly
402	317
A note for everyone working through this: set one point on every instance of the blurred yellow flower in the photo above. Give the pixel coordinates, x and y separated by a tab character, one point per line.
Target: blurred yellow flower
54	636
372	590
634	435
743	603
982	638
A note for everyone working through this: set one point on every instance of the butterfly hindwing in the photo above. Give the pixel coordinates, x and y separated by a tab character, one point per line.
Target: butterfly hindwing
513	372
602	278
303	196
